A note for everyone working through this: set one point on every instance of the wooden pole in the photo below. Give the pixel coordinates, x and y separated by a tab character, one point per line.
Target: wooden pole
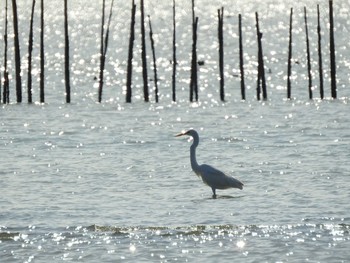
261	68
194	79
102	57
241	61
6	91
308	55
320	66
194	76
143	54
107	34
154	60
193	27
17	53
66	53
332	52
30	51
174	55
221	52
130	54
104	47
42	55
289	69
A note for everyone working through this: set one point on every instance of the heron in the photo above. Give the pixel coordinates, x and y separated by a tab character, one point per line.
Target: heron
211	176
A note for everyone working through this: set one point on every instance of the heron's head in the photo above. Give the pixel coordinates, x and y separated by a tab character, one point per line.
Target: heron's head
191	132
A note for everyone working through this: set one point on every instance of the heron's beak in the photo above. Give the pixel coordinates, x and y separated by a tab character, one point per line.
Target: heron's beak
180	134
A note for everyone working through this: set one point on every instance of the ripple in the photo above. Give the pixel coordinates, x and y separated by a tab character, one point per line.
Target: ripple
189	241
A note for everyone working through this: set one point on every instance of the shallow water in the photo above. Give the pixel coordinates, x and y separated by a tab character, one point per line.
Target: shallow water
106	183
109	182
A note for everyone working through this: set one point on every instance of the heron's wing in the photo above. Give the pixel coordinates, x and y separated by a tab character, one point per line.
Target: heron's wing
218	179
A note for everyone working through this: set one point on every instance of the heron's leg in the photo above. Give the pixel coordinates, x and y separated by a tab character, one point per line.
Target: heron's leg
214	192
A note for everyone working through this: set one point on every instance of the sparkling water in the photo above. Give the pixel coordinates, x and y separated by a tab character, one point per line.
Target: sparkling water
109	182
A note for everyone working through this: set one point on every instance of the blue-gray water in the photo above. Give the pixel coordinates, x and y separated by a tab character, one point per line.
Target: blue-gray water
110	182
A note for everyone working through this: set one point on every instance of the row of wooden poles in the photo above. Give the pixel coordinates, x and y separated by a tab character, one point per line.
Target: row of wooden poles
320	64
261	92
261	80
5	84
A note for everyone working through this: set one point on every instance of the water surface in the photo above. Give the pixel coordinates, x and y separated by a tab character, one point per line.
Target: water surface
109	182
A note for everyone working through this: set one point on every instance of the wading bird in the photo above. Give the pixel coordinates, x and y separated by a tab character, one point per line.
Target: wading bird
210	175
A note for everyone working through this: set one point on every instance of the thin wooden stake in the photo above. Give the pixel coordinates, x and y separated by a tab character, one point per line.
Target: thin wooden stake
130	54
174	55
194	76
320	66
154	60
102	57
104	47
308	55
332	52
289	69
261	69
42	55
143	54
30	51
221	52
66	52
6	91
107	32
17	53
241	61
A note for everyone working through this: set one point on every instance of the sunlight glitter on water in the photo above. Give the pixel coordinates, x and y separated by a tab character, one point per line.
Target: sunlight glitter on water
168	240
103	182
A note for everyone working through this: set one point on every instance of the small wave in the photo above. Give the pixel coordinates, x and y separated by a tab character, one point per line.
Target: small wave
133	142
5	236
238	230
229	139
185	241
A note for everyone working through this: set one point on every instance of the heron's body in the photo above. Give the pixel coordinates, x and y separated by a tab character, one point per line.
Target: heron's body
210	175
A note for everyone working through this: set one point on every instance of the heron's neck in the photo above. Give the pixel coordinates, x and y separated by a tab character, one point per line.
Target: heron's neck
194	163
